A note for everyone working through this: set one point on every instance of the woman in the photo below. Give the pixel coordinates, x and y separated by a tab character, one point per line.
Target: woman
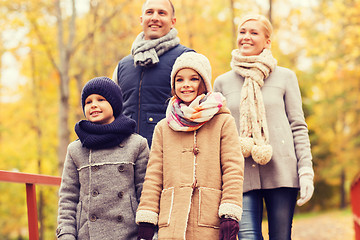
265	101
193	182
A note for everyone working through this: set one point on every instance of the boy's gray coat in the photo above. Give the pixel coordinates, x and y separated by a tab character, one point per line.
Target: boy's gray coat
100	190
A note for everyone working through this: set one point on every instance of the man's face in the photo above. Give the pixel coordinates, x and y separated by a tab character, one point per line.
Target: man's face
157	19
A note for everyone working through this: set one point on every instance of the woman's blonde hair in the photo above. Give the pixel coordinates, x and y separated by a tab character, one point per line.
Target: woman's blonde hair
262	19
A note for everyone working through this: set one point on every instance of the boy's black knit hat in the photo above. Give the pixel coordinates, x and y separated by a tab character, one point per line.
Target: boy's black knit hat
108	89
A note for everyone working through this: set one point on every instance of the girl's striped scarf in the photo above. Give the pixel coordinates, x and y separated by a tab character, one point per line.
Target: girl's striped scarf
190	118
254	134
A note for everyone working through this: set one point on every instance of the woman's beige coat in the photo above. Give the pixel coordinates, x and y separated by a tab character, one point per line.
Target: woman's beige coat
185	193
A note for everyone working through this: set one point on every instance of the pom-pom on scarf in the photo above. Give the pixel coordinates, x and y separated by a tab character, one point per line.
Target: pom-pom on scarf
181	117
254	134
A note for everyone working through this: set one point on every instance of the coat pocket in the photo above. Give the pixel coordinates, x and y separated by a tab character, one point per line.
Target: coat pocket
166	204
134	205
209	202
79	221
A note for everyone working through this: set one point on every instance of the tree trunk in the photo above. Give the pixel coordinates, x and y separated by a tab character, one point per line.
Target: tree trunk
1	88
342	189
65	53
37	126
270	10
233	25
188	22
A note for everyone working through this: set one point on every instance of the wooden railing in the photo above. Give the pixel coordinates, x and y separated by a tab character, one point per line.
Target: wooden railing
30	180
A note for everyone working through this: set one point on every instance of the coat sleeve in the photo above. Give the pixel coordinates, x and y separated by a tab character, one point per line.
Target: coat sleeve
140	167
149	207
217	85
68	200
232	166
295	114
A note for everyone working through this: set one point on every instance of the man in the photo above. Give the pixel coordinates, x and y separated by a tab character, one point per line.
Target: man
144	75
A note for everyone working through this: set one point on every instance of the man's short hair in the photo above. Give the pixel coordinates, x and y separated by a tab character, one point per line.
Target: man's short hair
171	4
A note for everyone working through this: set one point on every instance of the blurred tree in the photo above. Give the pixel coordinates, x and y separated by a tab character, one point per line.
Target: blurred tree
332	36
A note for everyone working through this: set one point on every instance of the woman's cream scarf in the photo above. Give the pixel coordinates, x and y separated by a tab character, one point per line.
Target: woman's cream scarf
254	134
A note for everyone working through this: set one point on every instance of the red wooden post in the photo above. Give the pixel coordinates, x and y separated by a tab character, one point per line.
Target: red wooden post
355	205
30	181
32	211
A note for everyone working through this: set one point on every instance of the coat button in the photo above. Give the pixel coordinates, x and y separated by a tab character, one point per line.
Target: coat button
196	150
93	218
95	168
121	168
94	193
120	218
121	194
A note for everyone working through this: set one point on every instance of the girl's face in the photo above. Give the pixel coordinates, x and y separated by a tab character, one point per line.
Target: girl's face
252	39
98	110
188	85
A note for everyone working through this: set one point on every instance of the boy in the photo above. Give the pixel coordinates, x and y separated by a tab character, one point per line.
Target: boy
104	169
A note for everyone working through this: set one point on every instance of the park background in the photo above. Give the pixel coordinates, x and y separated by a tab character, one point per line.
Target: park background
50	48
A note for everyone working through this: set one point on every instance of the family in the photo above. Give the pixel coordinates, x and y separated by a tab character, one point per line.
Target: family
163	154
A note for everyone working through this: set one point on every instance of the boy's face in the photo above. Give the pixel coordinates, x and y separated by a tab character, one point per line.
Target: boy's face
98	110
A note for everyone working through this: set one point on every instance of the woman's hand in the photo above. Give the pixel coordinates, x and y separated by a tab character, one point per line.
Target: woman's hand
306	189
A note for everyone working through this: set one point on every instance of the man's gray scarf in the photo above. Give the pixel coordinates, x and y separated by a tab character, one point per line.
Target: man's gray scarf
147	52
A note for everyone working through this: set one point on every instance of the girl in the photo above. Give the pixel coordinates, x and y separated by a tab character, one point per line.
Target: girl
265	100
104	169
193	183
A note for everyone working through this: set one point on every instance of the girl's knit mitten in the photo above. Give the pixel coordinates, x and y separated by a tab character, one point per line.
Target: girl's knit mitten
229	229
146	231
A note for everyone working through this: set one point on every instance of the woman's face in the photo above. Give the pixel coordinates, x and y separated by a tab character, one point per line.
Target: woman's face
188	85
252	39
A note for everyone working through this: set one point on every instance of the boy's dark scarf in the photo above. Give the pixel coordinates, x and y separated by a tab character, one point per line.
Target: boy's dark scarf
97	136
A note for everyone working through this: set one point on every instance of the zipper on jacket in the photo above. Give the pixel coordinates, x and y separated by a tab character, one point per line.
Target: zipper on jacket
140	85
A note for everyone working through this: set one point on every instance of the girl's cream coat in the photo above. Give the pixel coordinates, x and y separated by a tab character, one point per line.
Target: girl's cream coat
181	185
